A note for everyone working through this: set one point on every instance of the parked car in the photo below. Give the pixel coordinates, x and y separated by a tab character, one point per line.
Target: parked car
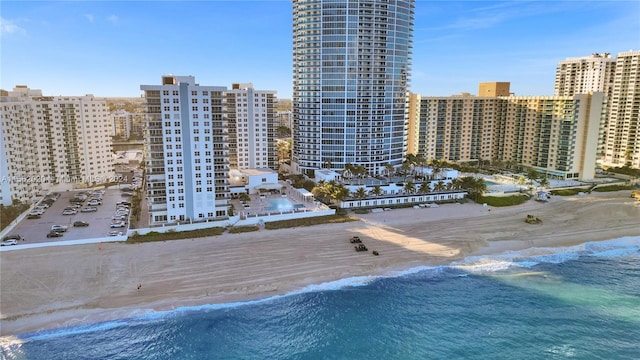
54	234
120	224
94	202
59	228
69	212
116	233
33	216
9	242
15	237
89	209
119	217
80	224
126	203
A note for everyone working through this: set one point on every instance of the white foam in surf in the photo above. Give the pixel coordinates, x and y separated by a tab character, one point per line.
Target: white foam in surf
75	330
528	258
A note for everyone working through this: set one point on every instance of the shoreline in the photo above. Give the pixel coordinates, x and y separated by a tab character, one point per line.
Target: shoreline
49	288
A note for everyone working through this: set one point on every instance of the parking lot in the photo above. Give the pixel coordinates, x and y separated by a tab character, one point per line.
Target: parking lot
36	230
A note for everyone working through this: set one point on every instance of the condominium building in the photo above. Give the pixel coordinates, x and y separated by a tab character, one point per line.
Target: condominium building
556	135
52	141
581	75
351	64
621	144
127	124
251	123
284	118
413	111
187	150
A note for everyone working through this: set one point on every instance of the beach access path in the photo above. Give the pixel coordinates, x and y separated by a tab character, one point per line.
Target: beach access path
54	287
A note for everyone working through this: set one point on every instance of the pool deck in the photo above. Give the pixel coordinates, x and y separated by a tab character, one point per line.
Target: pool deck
259	204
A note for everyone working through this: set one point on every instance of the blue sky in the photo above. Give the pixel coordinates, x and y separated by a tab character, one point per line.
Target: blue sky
109	48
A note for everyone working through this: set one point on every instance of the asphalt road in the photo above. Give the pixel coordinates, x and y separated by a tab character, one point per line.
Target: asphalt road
35	230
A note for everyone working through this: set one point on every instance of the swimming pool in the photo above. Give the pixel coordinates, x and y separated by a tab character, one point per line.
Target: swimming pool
281	204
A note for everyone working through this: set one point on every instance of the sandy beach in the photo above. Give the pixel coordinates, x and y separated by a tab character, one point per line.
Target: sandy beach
53	287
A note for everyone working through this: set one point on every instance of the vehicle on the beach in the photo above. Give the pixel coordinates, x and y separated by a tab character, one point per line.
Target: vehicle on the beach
52	234
80	224
355	239
59	228
89	209
360	247
9	242
531	219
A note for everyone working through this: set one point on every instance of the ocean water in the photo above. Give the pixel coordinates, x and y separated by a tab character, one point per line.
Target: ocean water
581	302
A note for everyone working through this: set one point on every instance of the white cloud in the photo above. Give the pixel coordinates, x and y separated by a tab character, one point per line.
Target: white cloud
112	19
89	17
8	27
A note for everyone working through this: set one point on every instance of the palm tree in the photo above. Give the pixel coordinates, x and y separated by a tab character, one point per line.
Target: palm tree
478	188
475	186
348	171
360	171
405	169
339	192
439	186
436	166
377	190
425	187
321	190
544	182
360	193
409	187
389	170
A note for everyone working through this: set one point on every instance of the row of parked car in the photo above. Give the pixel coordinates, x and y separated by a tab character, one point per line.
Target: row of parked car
94	199
120	218
42	206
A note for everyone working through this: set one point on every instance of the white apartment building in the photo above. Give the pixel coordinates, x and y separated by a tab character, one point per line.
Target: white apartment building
251	122
581	75
622	130
52	142
187	149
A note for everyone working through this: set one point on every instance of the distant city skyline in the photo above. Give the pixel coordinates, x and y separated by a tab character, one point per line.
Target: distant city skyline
109	48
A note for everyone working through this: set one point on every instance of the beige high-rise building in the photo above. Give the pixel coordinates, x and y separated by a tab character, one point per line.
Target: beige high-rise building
585	74
52	142
555	135
621	144
413	108
493	89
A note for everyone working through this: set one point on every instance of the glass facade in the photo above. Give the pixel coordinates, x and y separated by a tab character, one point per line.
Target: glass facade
351	64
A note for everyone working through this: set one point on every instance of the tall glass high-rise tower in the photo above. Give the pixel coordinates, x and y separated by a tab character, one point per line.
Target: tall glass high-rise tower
351	64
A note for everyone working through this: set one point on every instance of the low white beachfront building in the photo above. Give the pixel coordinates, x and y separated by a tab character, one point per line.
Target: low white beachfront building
253	181
403	199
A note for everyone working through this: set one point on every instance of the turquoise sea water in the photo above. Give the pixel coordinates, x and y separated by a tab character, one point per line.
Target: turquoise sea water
581	302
